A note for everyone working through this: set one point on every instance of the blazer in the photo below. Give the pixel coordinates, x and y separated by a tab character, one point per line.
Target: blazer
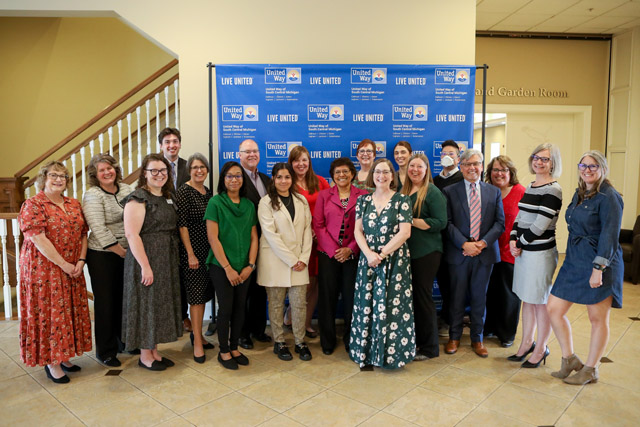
283	243
183	173
251	191
328	217
491	226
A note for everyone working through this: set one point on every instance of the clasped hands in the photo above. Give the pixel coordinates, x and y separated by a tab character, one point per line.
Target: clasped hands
473	248
73	270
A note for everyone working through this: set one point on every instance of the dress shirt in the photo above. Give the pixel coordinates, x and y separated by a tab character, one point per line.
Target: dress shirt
257	182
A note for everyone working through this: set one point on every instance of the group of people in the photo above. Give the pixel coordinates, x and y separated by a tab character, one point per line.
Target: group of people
375	240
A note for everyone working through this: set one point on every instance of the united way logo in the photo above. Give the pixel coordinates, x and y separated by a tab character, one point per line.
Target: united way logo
408	112
368	75
238	113
282	75
462	76
325	112
280	149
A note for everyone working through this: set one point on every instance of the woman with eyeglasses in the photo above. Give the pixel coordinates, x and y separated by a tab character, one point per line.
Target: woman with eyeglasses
533	244
592	272
54	314
401	154
233	237
191	200
503	305
366	155
382	329
103	208
151	312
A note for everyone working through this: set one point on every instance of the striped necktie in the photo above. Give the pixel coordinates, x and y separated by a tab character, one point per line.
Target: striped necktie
174	174
474	212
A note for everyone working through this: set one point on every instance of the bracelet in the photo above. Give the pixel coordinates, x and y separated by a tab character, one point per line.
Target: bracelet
226	266
83	260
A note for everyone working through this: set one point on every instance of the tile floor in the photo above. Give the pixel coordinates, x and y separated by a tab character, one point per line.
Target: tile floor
330	390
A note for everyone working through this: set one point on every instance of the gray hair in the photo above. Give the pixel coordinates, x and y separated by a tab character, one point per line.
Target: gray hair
554	154
200	157
604	166
467	154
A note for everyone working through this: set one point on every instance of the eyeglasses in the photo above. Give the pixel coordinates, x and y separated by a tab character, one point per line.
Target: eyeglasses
472	164
341	172
380	172
496	170
198	168
232	177
366	151
250	151
449	153
592	168
55	176
155	172
542	159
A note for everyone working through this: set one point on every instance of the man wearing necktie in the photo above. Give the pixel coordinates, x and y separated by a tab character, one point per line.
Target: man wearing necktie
170	142
475	222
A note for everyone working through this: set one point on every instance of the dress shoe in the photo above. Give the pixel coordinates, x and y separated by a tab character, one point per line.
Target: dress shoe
506	344
452	346
572	363
282	351
134	352
228	364
62	380
516	358
366	368
261	337
186	324
72	368
489	335
205	344
245	343
479	349
303	351
311	334
327	351
584	376
241	360
528	364
155	366
443	330
167	362
211	329
200	359
111	361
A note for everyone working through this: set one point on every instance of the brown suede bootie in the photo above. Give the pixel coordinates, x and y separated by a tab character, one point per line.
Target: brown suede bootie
584	376
572	363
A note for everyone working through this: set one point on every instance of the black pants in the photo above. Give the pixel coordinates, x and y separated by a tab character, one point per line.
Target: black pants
503	306
335	278
107	274
423	271
255	318
444	284
184	306
231	304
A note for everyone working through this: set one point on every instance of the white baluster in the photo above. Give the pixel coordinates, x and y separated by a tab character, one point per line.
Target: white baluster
101	139
74	175
147	104
157	99
111	141
120	145
66	191
129	143
176	110
6	288
91	147
139	138
27	192
84	171
166	105
15	228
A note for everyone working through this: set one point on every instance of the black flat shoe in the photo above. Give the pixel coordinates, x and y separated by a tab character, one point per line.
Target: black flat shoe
245	343
155	366
311	334
516	358
200	359
167	362
327	351
134	351
62	380
228	364
205	344
282	351
111	361
528	364
240	360
303	351
72	368
366	368
262	337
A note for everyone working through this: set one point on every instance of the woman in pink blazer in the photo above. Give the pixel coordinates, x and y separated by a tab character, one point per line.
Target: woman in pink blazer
333	223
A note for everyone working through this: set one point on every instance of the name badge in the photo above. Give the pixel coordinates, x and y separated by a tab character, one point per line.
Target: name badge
170	201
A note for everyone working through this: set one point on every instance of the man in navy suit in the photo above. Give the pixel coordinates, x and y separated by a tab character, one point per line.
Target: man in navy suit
476	220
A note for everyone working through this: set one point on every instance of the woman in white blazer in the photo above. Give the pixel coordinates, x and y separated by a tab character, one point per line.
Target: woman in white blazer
285	247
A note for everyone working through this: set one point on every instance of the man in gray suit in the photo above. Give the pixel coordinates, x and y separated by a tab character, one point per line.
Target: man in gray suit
475	222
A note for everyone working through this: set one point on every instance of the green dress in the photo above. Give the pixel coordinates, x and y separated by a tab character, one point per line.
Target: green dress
382	329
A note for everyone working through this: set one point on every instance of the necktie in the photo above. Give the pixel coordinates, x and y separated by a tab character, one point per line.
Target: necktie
474	212
174	175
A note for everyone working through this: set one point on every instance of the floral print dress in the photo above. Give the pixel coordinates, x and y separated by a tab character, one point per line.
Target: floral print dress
54	323
382	328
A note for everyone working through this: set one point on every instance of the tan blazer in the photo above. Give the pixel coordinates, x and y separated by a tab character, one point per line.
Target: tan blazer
283	243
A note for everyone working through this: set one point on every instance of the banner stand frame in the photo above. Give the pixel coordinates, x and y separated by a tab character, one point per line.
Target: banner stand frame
484	68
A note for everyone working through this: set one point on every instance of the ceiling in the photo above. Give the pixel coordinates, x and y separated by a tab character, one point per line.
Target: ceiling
558	16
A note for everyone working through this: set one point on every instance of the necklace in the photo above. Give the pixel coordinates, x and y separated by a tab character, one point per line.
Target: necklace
285	200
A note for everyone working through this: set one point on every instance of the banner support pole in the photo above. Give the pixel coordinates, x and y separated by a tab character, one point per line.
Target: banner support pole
484	67
211	66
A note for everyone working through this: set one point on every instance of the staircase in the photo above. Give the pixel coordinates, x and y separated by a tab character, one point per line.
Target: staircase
127	129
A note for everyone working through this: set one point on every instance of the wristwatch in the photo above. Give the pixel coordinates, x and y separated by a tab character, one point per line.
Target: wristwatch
599	267
253	266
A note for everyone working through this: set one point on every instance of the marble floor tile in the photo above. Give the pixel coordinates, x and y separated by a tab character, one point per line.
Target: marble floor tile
382	419
139	410
463	385
82	397
18	390
281	391
236	380
607	398
485	417
621	374
579	416
281	421
40	410
376	389
234	409
540	380
9	368
321	410
428	408
495	367
324	372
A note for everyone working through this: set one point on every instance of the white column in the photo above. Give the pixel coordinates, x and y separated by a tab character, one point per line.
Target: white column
15	228
6	287
176	111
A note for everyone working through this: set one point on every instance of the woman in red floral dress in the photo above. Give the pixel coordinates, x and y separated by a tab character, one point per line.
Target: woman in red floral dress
55	324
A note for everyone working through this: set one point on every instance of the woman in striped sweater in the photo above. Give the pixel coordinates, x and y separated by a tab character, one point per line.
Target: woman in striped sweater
533	244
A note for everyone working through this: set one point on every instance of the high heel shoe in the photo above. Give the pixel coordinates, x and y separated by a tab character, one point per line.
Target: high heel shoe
516	358
200	359
570	364
528	364
205	344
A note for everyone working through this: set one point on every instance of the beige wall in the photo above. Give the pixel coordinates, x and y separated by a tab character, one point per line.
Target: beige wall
283	31
575	72
57	73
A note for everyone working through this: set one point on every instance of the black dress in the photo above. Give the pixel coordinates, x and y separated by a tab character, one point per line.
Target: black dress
191	208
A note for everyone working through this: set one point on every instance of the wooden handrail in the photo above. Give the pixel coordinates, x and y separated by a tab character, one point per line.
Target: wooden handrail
97	117
10	215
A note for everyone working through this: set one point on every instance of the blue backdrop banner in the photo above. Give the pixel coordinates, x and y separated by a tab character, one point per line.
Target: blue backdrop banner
329	109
